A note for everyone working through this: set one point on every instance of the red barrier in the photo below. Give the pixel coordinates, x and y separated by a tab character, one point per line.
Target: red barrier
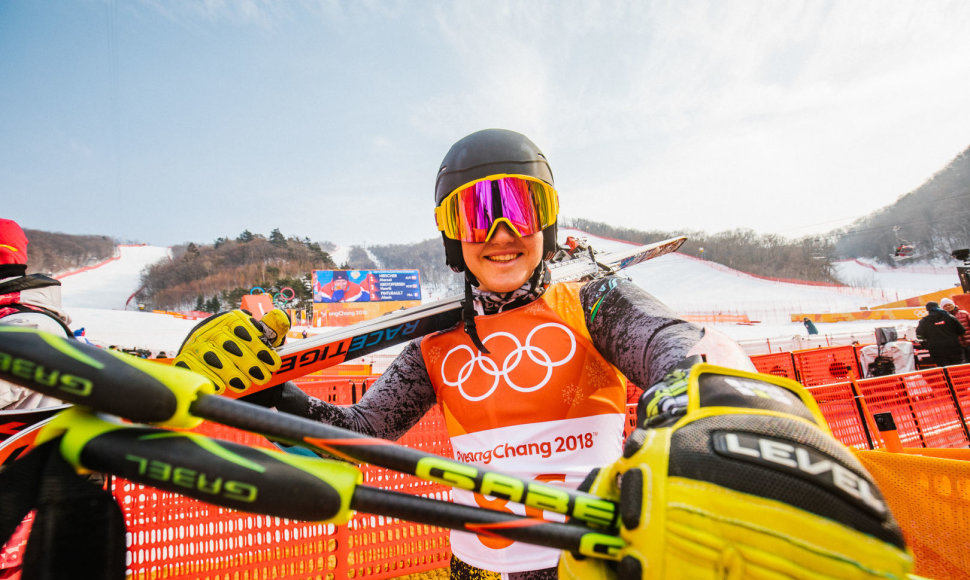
824	366
780	364
172	536
841	411
922	406
631	420
63	275
960	381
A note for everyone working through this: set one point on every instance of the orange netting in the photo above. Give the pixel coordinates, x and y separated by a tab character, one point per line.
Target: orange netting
960	380
841	409
172	536
922	407
930	498
927	484
780	364
823	366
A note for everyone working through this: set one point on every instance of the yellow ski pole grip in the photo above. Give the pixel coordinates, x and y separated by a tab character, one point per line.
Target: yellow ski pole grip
108	381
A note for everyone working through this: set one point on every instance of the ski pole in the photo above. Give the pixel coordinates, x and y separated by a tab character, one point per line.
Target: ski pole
284	485
147	392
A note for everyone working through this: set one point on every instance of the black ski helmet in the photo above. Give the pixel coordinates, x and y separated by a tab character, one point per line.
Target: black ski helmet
484	153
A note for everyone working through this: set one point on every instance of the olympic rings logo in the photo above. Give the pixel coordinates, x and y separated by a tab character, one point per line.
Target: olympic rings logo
511	362
280	299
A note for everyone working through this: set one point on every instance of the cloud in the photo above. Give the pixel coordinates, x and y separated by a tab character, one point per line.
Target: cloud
666	114
720	115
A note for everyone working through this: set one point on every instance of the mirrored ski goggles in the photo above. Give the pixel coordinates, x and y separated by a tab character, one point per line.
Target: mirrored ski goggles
473	211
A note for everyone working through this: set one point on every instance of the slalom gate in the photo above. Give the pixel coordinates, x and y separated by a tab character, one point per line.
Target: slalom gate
926	482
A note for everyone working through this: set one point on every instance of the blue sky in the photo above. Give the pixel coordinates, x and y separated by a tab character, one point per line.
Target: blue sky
166	121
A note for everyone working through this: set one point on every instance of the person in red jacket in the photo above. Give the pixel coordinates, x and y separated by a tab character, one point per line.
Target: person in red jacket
963	318
31	300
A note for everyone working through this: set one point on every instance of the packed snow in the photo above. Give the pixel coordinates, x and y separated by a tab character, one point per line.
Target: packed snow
98	299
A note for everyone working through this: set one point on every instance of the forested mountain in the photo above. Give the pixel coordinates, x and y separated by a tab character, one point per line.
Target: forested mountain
934	219
807	258
51	253
211	277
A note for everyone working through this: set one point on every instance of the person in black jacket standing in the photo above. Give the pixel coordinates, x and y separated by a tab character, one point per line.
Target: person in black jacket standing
940	334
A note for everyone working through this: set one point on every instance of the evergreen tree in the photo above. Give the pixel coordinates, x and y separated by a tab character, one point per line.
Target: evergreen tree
200	304
212	305
246	236
276	238
235	295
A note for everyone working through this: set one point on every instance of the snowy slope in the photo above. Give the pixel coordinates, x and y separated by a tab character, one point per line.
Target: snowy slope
906	280
112	283
96	298
693	286
341	255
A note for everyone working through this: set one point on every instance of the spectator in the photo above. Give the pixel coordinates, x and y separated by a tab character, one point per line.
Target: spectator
32	301
26	300
964	319
809	326
940	334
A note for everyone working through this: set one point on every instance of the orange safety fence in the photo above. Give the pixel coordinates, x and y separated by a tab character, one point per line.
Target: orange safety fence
922	407
904	313
780	364
172	536
822	366
841	409
927	484
717	317
930	499
960	379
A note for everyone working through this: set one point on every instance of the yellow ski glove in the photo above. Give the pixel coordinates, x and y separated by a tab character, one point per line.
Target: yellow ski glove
235	350
736	475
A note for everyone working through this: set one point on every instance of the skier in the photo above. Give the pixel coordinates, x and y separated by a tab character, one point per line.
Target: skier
533	382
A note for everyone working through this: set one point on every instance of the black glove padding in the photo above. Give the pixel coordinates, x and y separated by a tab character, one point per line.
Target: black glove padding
287	398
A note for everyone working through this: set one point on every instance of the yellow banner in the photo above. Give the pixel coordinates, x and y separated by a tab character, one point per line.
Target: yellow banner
922	299
347	313
906	313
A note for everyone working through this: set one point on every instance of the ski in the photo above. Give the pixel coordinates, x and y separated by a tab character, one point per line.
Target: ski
332	348
18	427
